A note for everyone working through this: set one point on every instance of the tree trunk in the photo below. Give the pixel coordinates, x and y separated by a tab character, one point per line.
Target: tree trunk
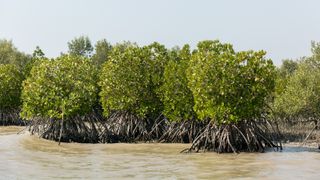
61	128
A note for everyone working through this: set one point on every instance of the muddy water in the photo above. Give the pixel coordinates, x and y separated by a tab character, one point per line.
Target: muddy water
28	157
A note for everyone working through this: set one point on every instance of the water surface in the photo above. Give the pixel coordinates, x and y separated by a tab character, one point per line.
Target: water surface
27	157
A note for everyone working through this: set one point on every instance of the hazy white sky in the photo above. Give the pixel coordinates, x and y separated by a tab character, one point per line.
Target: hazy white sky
284	28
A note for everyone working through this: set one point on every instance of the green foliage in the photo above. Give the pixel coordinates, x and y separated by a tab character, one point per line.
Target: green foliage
176	96
80	46
301	95
229	86
286	70
37	56
255	84
157	59
10	87
10	55
124	45
315	49
124	85
131	79
38	53
64	87
102	52
298	91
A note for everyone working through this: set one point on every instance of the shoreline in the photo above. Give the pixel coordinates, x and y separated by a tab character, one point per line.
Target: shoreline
6	130
310	144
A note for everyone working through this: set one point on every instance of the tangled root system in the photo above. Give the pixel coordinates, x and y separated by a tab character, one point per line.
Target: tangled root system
245	136
181	132
124	127
11	117
84	129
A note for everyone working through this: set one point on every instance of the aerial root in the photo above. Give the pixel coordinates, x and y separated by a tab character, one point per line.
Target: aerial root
247	136
84	129
125	127
11	117
181	132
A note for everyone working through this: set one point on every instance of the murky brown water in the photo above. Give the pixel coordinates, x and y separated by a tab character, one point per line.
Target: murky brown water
28	157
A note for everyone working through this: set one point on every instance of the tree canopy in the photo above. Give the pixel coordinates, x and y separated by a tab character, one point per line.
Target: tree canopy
80	46
176	96
63	87
229	86
10	89
301	95
131	79
9	54
102	51
300	89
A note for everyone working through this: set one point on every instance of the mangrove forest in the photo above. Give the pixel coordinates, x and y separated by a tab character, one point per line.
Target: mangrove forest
211	96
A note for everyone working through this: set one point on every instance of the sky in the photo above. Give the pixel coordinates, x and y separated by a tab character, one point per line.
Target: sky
283	28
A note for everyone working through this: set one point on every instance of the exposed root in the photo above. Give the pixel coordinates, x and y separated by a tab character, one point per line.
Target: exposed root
158	128
84	129
181	132
11	117
305	140
246	136
125	127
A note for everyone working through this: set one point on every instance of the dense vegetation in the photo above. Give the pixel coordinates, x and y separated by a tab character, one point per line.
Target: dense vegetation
297	95
177	98
130	82
231	90
213	96
176	95
55	96
10	55
299	87
10	90
12	72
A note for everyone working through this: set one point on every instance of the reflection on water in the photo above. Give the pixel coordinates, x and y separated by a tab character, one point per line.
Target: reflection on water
28	157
